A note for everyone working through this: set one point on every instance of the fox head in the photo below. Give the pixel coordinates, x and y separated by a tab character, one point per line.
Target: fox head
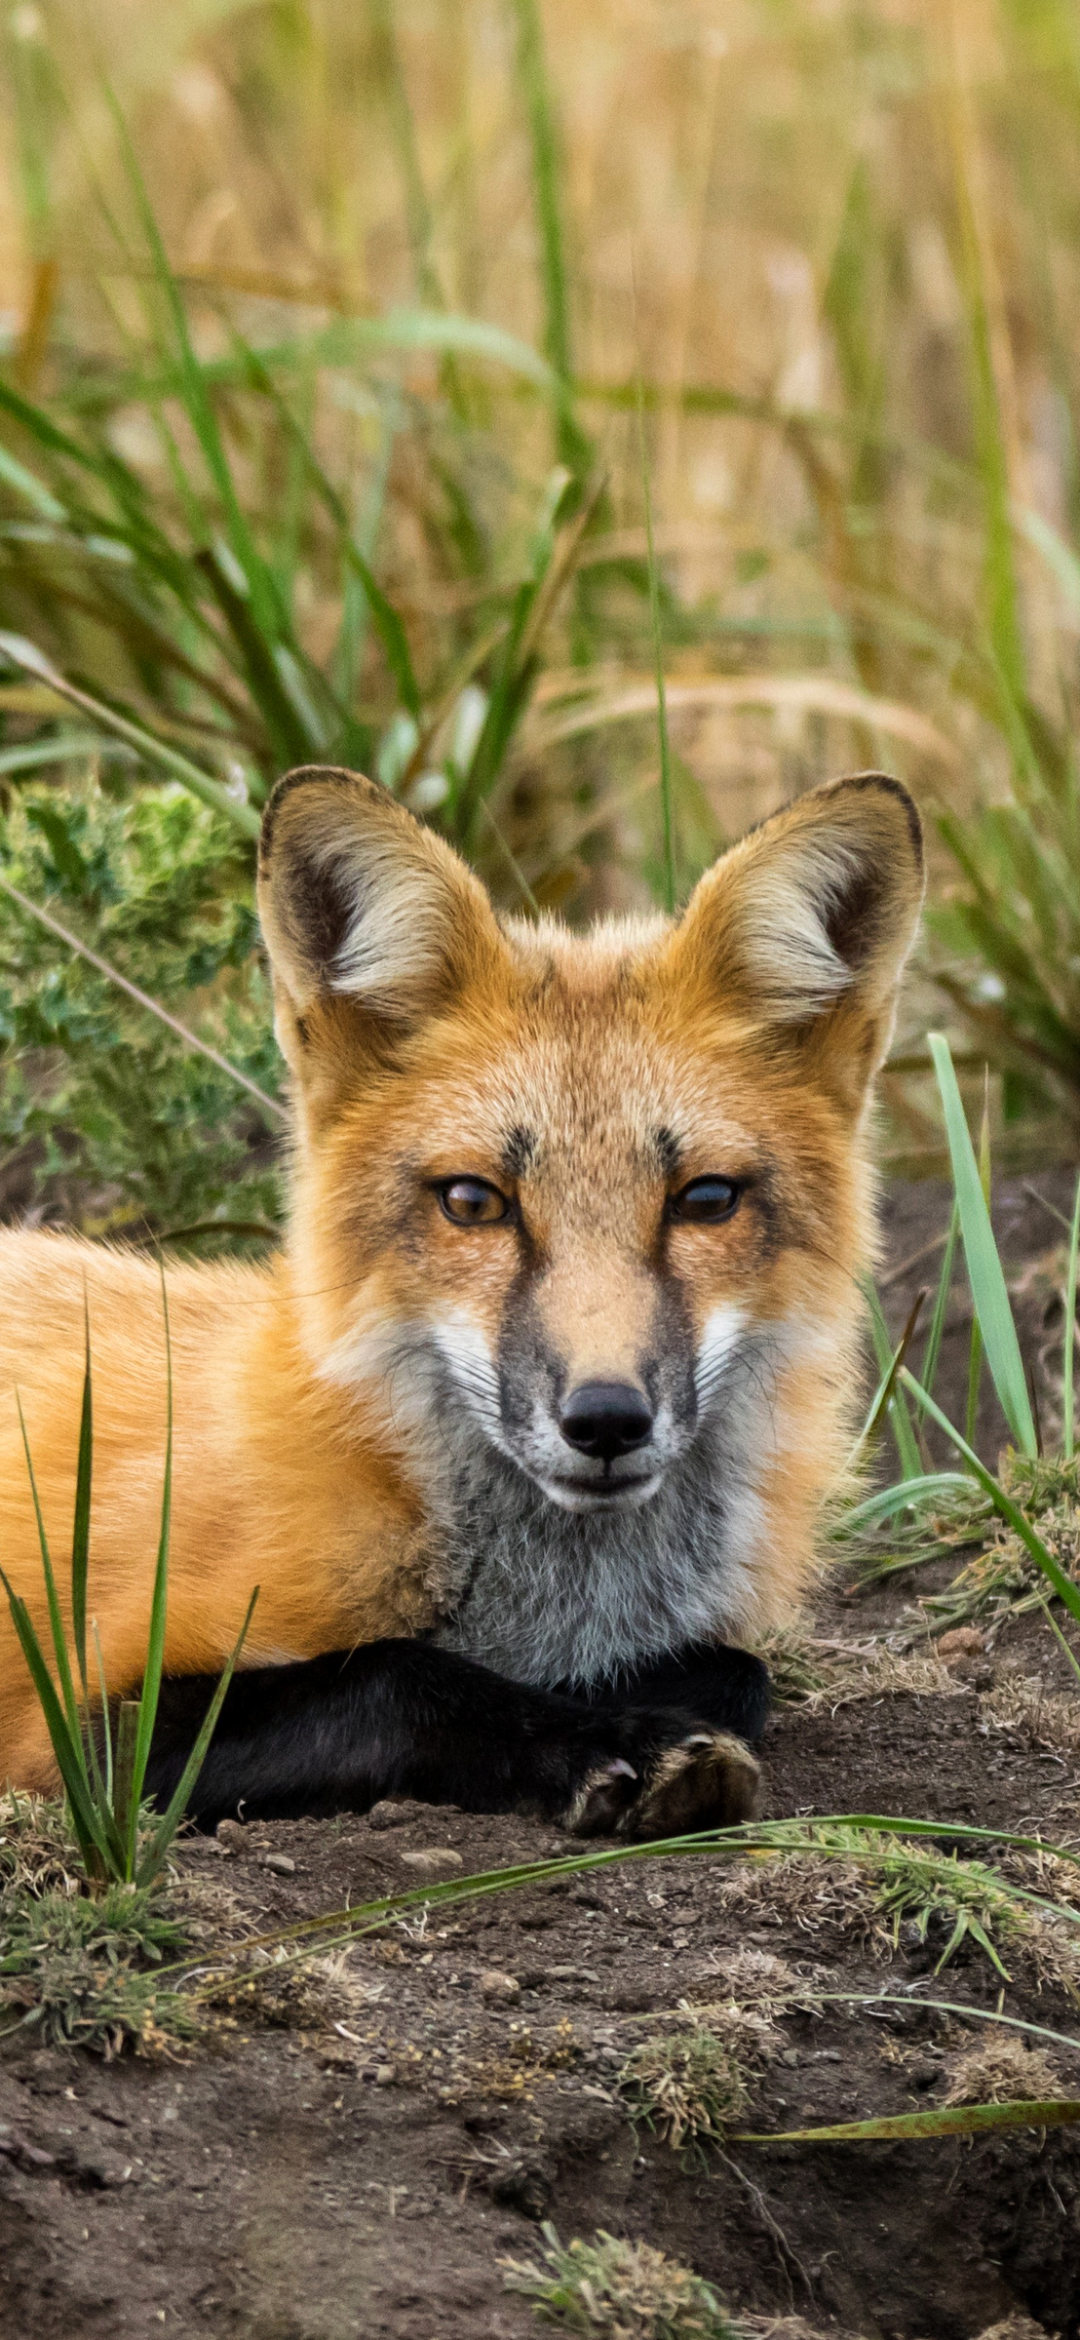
582	1215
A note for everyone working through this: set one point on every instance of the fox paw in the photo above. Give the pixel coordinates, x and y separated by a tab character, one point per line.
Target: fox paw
708	1780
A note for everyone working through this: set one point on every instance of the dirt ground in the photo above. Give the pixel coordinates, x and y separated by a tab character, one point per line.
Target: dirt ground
362	2170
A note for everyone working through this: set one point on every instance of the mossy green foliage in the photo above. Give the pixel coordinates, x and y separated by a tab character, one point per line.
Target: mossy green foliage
80	1969
119	1127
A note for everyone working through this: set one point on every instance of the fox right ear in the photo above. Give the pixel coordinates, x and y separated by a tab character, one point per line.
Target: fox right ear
371	922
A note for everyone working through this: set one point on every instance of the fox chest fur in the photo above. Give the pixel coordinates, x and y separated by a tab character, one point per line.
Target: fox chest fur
558	1361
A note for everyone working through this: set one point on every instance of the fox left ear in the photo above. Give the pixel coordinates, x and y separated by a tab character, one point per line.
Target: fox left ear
805	925
371	922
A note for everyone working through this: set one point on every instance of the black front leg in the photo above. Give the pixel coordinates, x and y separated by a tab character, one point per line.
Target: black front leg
336	1733
713	1681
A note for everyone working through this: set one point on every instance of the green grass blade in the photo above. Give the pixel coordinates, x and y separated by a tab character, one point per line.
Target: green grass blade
985	1273
106	1724
1069	1425
572	445
26	656
266	604
1067	1592
928	1489
1066	1646
667	816
907	1446
80	1531
66	1744
944	2120
162	1837
155	1646
887	1384
941	1305
56	1622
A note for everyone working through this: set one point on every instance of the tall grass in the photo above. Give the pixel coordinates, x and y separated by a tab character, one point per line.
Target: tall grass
333	340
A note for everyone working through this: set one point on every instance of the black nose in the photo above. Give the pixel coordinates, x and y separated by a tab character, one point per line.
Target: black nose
605	1418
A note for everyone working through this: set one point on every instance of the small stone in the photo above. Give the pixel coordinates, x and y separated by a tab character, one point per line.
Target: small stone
964	1641
387	1814
279	1863
500	1990
432	1858
385	2075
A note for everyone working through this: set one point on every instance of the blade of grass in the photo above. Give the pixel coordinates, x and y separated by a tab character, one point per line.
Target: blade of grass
67	1747
907	1448
986	1276
1066	1646
907	1492
944	2120
1067	1592
941	1305
1068	1361
56	1623
155	1851
572	446
667	817
155	1646
80	1533
887	1384
30	660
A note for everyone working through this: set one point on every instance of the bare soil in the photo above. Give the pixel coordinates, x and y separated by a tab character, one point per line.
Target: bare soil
364	2177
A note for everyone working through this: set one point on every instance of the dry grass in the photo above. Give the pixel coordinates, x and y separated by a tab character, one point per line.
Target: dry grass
1000	2070
688	2087
1024	1705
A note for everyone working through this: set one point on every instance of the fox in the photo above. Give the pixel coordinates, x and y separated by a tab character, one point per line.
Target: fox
526	1430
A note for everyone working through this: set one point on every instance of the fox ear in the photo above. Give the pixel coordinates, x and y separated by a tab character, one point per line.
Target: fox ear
371	922
808	921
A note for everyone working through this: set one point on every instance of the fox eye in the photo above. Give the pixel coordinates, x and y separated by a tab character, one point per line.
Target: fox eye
705	1201
471	1202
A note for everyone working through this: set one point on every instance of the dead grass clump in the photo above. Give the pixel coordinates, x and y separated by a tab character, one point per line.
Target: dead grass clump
687	2088
1001	2071
814	1895
758	1978
287	1993
38	1853
623	2290
1046	1718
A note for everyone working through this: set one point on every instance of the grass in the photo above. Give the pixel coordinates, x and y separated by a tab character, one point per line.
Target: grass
627	2290
103	1760
321	446
76	1970
689	2088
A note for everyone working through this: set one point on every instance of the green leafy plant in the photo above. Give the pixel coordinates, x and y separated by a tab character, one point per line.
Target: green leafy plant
121	1840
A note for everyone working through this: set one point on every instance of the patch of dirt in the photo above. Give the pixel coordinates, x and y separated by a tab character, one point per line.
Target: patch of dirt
355	2159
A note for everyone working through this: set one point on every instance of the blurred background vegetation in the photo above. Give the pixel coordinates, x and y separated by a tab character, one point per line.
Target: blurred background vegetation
348	347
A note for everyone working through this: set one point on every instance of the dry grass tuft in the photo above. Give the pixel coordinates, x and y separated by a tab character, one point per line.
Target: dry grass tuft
1000	2071
688	2087
38	1853
758	1983
1046	1718
623	2290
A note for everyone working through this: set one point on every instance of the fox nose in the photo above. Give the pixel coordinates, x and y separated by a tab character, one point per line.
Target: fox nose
605	1419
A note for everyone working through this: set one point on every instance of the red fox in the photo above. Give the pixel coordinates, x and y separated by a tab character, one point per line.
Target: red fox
535	1411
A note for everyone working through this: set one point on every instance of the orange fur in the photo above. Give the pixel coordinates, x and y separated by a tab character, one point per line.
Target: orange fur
310	1454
